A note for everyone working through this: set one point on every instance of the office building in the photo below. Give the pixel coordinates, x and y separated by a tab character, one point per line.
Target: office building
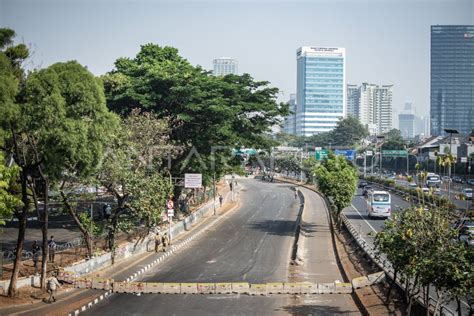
321	92
225	66
406	125
373	106
452	78
289	126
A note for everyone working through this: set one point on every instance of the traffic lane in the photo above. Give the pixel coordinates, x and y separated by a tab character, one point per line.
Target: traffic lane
368	227
252	244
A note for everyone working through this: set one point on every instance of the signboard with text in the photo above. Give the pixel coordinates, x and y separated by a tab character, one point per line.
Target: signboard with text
348	153
321	154
192	180
394	153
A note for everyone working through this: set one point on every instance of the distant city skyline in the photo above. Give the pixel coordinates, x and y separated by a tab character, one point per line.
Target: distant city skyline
386	41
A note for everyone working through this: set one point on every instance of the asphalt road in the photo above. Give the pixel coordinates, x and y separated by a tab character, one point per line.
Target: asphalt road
253	244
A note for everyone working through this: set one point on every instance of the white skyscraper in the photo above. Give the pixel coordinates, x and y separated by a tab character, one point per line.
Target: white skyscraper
321	93
372	105
225	66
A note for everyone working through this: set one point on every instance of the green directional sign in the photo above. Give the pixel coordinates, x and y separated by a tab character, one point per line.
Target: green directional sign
321	154
394	153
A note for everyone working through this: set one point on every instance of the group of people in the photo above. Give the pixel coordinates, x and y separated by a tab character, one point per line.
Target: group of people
36	250
161	241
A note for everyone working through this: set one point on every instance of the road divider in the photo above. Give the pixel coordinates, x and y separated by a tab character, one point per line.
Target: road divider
227	287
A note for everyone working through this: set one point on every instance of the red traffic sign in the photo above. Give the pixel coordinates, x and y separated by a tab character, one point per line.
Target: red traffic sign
170	205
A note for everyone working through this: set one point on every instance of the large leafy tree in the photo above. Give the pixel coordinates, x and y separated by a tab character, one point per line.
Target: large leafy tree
337	179
210	114
133	171
349	132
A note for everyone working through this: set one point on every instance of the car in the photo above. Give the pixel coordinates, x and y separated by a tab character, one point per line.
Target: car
362	183
446	179
366	190
470	181
467	193
457	179
412	185
425	190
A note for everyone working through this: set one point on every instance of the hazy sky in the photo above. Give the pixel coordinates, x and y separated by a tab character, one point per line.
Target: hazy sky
386	41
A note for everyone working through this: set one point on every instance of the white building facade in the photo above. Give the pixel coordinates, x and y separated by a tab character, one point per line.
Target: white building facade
373	106
321	93
224	66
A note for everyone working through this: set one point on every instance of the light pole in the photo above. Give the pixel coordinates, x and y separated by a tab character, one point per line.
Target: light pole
450	132
381	137
214	189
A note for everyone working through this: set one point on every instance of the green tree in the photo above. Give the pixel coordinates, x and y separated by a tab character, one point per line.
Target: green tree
337	179
348	132
132	171
393	140
207	112
9	200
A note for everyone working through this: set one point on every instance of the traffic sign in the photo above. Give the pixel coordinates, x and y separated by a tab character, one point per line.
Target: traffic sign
349	153
321	154
369	153
394	153
192	180
463	159
170	205
170	212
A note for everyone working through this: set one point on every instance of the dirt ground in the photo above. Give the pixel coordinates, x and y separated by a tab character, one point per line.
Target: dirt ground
355	265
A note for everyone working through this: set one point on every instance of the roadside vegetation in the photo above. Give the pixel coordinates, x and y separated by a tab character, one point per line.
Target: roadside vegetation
131	132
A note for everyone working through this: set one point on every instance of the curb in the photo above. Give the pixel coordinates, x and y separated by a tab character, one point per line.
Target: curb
173	249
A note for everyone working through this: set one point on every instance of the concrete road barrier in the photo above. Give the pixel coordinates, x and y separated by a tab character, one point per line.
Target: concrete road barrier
343	288
120	287
153	287
309	288
360	282
223	288
102	284
275	288
171	288
67	277
376	277
136	287
83	283
292	288
241	287
206	288
189	288
258	289
326	288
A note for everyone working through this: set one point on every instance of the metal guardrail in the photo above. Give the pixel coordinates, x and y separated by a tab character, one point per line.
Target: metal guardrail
386	266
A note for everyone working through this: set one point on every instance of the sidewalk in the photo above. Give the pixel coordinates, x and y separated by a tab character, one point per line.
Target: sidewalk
70	299
317	259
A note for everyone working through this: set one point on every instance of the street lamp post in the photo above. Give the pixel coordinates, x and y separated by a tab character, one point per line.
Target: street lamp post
450	132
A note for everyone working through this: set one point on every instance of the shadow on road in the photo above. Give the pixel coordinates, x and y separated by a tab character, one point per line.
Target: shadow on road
315	310
275	227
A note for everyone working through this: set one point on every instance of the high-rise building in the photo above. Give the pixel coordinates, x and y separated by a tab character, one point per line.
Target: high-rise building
225	66
289	126
372	104
406	125
452	78
353	100
320	89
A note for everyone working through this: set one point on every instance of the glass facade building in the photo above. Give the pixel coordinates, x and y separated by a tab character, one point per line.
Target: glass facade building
452	78
320	88
224	66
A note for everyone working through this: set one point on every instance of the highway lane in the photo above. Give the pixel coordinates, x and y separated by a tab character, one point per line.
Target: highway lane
357	214
251	244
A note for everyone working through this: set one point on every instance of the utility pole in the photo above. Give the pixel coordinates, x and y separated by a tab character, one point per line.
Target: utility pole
365	164
91	226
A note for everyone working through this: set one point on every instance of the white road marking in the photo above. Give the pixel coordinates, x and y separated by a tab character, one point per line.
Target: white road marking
355	209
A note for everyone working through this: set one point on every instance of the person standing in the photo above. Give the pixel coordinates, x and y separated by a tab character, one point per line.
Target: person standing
52	249
221	199
35	249
165	242
296	193
53	284
157	241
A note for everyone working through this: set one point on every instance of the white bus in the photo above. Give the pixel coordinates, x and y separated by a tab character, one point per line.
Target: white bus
379	204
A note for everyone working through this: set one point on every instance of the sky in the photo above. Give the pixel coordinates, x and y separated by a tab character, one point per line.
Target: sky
386	41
